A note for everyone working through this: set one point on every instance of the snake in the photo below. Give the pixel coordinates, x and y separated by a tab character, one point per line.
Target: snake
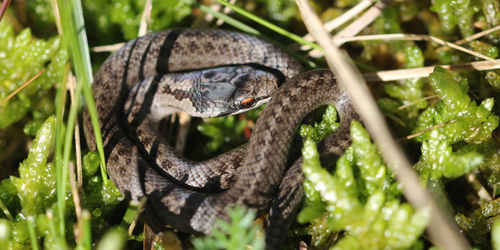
210	73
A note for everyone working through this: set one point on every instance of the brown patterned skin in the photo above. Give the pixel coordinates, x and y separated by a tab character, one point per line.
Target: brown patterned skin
189	196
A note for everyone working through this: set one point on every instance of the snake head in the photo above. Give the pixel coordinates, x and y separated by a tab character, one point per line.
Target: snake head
210	92
234	89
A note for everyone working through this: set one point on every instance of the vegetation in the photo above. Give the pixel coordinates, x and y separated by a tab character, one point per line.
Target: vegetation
447	122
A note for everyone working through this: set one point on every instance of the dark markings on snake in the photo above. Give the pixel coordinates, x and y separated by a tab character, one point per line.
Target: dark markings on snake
178	94
106	133
124	89
275	72
143	61
180	192
165	50
148	101
142	83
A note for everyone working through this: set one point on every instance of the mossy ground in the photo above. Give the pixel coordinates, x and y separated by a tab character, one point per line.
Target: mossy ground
357	205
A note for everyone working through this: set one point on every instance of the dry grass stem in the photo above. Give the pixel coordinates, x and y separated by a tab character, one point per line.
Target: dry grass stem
21	88
337	22
476	185
426	130
478	35
107	48
412	37
359	24
146	17
417	101
441	227
74	190
399	74
140	207
3	8
71	87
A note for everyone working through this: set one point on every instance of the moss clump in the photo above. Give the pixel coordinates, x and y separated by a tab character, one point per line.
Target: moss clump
480	223
126	15
21	58
360	198
32	196
451	150
453	13
235	235
406	92
321	130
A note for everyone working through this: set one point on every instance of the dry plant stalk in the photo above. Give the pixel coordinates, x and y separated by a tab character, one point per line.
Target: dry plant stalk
357	25
76	188
400	74
107	48
441	228
146	17
412	37
21	88
478	187
337	22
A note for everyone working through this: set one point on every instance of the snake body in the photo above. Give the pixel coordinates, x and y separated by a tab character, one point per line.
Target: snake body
173	70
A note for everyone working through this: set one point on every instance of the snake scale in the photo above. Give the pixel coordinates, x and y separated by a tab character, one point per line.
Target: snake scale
209	73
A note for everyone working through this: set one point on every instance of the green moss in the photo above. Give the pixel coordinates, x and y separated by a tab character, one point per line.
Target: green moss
453	13
321	130
360	198
493	79
481	221
90	164
406	92
235	235
464	121
21	58
126	16
367	209
33	195
484	48
228	132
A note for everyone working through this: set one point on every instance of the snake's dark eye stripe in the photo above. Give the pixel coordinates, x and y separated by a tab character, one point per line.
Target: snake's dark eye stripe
248	103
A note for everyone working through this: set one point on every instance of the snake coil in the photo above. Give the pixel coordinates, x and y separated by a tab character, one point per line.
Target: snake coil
173	70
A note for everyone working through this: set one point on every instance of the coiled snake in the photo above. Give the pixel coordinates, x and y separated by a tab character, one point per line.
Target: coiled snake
209	73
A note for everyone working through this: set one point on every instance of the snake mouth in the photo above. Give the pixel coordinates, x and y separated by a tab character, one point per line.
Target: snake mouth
235	109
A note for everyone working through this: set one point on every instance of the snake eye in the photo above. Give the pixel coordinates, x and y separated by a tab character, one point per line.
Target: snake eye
247	103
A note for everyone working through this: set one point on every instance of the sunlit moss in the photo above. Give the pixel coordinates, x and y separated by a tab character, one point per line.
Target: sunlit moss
321	130
360	198
21	58
33	194
461	120
126	15
493	79
453	13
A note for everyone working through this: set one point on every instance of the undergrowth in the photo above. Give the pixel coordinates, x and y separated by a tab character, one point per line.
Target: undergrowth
357	205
